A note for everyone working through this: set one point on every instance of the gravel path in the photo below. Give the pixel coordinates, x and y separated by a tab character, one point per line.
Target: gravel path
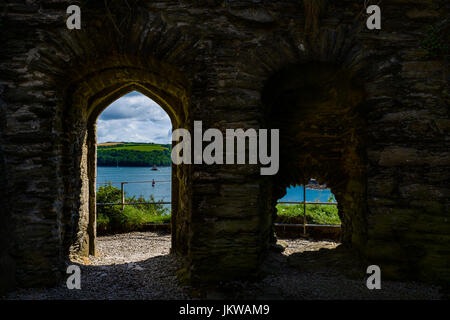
137	265
133	265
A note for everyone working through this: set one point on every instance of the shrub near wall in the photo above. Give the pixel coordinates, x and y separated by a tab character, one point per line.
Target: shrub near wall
315	214
112	219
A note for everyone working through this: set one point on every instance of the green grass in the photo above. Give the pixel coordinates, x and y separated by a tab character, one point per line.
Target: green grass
315	214
128	219
133	217
136	147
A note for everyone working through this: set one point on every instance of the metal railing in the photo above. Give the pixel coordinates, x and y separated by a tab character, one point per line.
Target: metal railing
304	202
122	193
123	203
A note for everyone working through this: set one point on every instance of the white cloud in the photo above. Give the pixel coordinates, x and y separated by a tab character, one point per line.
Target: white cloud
134	118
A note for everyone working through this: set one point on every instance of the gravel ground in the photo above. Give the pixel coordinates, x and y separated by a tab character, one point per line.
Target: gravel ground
134	265
137	265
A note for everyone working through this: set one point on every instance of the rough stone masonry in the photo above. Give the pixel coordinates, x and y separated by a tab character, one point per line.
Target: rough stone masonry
364	111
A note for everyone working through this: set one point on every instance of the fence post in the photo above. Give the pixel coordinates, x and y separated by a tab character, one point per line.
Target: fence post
122	195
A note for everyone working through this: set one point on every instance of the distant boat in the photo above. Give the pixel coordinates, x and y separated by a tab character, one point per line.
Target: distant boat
154	168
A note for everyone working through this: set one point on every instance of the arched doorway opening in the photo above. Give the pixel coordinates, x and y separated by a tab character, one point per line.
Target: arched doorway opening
86	101
133	165
317	107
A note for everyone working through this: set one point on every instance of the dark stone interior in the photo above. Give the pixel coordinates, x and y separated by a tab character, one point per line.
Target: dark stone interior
364	111
319	110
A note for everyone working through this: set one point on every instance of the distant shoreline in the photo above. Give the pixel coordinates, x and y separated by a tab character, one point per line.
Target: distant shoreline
112	154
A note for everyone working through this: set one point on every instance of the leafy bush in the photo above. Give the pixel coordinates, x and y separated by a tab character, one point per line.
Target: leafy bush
102	222
315	214
111	218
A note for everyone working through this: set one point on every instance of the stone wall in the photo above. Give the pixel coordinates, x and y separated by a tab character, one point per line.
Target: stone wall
319	108
380	139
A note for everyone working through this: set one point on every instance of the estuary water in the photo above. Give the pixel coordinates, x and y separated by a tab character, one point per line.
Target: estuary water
162	177
162	188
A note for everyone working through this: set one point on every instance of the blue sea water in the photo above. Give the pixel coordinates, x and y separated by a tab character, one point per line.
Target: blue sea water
162	190
162	177
312	195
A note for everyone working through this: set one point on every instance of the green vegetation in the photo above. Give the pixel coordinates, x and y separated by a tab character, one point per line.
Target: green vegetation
315	214
145	147
133	217
112	218
134	155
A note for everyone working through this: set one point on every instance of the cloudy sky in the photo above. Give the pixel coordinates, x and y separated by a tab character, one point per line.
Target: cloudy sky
134	118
